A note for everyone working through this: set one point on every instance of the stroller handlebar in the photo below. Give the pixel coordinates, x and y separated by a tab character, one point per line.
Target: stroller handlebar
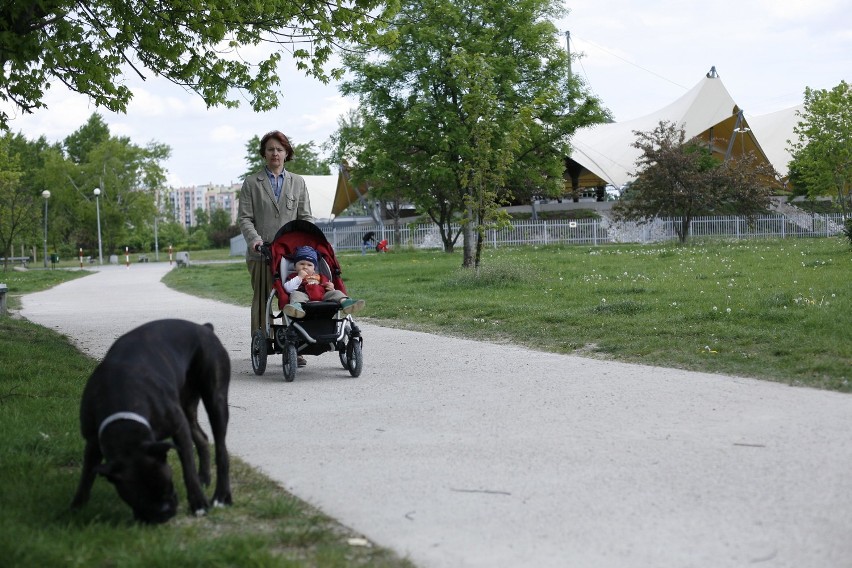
265	250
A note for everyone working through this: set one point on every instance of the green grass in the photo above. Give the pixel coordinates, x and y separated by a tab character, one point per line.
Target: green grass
778	310
20	283
770	309
73	261
41	379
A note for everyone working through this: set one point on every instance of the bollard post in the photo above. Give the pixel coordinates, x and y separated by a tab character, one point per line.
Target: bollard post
127	257
170	255
3	290
81	257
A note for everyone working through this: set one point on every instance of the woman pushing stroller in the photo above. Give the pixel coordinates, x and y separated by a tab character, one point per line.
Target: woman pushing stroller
307	285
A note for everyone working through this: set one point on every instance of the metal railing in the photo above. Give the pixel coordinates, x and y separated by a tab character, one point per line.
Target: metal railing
596	231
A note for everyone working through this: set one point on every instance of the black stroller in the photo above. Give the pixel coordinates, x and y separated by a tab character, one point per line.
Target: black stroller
324	328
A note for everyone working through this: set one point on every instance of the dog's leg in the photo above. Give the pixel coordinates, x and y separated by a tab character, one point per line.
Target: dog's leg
91	458
218	413
194	493
214	377
199	438
216	405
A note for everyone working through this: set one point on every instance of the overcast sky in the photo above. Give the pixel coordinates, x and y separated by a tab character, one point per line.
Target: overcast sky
637	57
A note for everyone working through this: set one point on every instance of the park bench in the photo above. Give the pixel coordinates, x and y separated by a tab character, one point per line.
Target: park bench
23	260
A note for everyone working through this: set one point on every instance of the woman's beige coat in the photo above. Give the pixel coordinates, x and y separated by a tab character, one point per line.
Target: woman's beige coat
260	215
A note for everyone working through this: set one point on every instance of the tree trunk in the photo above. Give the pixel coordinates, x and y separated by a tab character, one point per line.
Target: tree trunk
443	219
683	233
468	239
480	242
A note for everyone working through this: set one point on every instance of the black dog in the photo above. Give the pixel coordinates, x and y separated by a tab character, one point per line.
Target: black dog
145	391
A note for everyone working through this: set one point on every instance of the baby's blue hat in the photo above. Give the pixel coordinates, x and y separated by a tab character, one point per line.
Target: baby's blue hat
305	253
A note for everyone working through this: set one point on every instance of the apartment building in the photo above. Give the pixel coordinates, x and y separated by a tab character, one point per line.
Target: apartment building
185	201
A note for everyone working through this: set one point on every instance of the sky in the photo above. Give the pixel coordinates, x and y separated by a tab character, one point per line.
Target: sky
635	56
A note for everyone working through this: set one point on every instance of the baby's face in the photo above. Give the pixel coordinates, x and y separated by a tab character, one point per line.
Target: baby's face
305	265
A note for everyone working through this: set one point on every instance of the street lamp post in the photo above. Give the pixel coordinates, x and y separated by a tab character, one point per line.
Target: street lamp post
46	195
97	193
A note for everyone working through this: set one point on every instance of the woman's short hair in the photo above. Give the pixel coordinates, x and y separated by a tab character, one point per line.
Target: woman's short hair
279	136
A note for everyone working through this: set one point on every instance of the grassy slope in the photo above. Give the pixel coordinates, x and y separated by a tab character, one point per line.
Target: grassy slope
41	380
778	309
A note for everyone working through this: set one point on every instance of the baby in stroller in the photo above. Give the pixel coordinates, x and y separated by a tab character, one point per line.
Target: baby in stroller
305	284
315	314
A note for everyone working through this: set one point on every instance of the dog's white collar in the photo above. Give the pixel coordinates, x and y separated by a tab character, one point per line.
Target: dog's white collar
123	416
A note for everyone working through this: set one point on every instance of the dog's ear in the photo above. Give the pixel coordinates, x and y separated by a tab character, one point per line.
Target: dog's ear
158	450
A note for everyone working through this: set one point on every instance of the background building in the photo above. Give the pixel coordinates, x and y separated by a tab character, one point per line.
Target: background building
184	201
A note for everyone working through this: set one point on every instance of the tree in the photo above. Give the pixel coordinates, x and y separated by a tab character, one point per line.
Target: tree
18	207
679	178
307	162
173	234
127	175
81	142
254	161
90	46
420	136
343	142
343	145
822	154
220	230
32	164
491	154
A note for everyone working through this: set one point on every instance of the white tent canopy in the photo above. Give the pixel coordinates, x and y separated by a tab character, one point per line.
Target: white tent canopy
321	190
775	130
606	152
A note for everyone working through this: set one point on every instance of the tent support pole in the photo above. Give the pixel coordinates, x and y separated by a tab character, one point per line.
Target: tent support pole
733	135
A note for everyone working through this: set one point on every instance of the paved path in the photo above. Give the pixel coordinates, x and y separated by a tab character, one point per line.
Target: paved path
467	454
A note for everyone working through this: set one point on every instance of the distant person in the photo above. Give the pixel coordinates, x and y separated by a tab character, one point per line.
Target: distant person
269	198
382	246
369	237
306	285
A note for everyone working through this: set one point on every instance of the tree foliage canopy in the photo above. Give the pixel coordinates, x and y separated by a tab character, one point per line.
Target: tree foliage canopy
126	175
461	86
822	154
205	47
681	179
307	161
17	205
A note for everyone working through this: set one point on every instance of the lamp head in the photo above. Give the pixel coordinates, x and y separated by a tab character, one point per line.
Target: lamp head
97	191
45	194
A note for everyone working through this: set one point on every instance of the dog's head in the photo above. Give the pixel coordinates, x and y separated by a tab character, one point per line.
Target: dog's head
144	481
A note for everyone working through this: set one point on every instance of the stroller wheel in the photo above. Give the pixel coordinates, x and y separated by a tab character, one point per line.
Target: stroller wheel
290	362
258	352
354	358
343	361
